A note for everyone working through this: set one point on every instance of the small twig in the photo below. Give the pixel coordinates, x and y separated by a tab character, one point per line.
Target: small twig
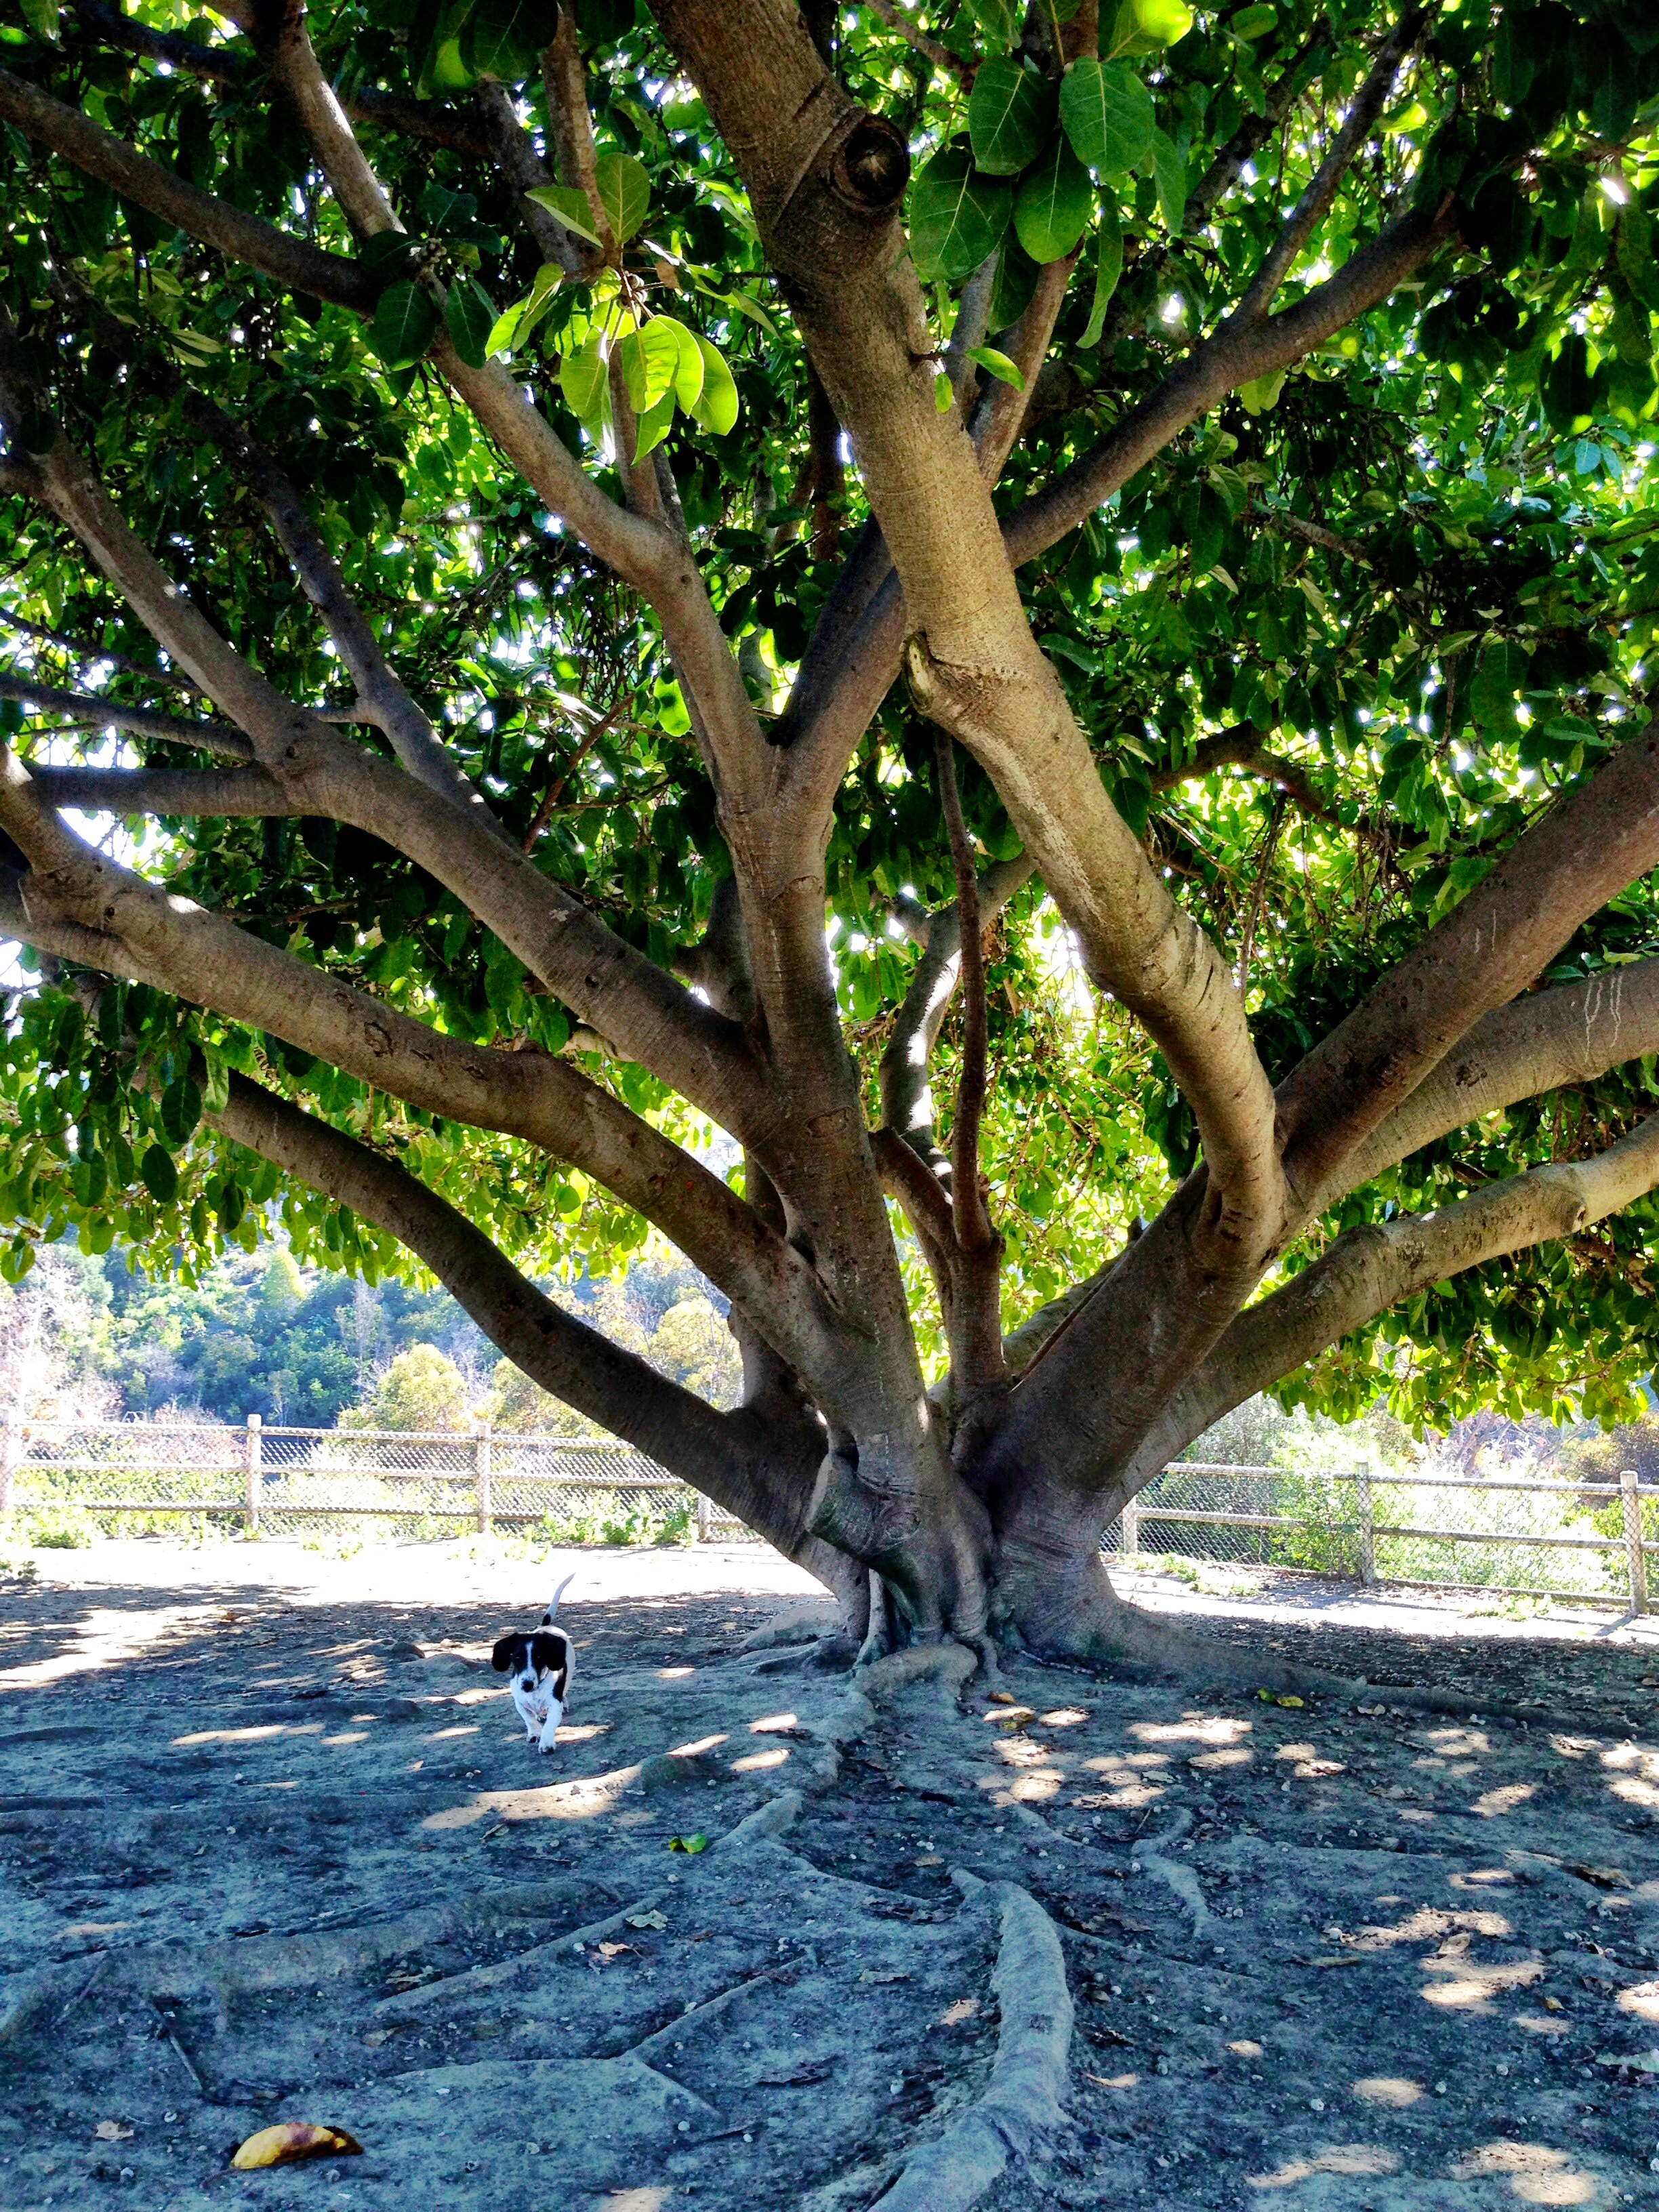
184	2060
103	1962
1247	945
559	785
1315	204
913	36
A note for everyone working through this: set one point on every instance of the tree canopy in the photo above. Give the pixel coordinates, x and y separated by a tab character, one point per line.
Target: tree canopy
1137	525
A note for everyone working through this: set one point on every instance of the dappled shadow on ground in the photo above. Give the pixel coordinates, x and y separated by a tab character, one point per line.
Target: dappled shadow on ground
266	1859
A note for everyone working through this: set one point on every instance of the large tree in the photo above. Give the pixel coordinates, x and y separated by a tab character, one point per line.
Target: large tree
1006	619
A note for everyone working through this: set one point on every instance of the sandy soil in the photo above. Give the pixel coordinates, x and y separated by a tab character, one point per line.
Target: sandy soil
272	1847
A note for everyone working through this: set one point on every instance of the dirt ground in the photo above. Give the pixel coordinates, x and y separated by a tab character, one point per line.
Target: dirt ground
272	1846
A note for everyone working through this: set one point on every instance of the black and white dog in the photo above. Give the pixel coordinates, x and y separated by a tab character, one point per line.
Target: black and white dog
541	1663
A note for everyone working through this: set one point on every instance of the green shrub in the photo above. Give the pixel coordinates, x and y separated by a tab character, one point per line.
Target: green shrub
60	1528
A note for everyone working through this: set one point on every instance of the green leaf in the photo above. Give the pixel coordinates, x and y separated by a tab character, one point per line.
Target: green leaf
507	36
1051	209
943	393
470	318
1162	22
583	381
515	326
688	1843
181	1109
1108	267
1010	114
216	1081
689	375
1260	393
716	404
1253	22
1502	673
1169	172
649	359
999	19
570	206
957	217
446	213
1107	113
625	192
998	365
653	426
1634	248
160	1177
41	16
406	322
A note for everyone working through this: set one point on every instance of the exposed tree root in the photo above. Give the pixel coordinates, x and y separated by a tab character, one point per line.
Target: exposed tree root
836	1653
477	1978
281	1962
771	1819
1108	1633
882	1680
805	1625
1022	2107
1179	1878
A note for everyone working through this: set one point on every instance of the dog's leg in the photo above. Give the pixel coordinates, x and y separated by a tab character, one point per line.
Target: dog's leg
550	1728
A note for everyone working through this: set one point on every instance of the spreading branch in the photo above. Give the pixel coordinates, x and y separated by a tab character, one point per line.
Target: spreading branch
746	1464
1370	1268
605	982
1317	199
85	711
1548	1040
183	794
291	262
122	925
1564	869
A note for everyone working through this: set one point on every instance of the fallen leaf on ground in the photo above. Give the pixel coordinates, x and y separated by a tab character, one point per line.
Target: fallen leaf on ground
1000	1697
612	1950
113	2131
964	2009
293	2139
646	1920
688	1843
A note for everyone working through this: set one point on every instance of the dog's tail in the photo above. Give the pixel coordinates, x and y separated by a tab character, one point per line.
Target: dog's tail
552	1612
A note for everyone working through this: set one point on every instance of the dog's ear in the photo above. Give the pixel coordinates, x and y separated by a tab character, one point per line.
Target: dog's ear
502	1657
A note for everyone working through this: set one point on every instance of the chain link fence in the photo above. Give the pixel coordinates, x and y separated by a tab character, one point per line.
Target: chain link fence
123	1477
1583	1542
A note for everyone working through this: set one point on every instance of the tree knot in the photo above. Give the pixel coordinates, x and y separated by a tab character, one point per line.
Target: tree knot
871	167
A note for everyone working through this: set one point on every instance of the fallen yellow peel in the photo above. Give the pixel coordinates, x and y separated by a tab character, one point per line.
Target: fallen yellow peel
293	2139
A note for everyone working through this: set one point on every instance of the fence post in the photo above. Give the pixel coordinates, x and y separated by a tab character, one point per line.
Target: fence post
11	1436
255	1473
702	1518
1130	1529
1362	1484
1636	1566
481	1465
